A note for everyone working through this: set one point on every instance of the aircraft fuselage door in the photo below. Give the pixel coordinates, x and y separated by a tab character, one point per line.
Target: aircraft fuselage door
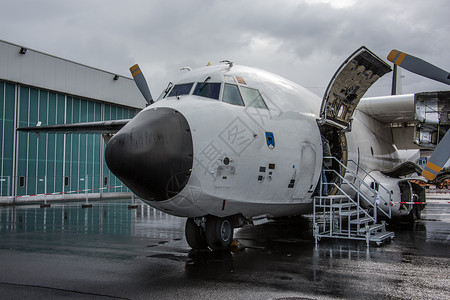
306	172
349	84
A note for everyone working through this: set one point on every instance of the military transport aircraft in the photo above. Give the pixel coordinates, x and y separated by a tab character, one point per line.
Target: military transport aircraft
227	145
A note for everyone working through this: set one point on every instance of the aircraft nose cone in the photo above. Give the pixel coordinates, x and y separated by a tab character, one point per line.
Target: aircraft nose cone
152	154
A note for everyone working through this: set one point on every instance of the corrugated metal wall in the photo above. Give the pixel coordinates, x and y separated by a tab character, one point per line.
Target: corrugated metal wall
52	162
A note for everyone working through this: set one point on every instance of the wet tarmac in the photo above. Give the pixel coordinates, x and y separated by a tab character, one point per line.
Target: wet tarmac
112	252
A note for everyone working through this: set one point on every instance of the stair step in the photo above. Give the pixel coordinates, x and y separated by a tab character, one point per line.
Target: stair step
339	216
353	212
361	220
372	228
336	197
381	236
344	205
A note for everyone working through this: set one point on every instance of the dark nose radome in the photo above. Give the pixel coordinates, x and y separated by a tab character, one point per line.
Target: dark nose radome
152	154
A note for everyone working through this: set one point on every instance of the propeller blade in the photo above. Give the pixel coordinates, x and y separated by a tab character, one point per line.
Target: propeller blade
141	83
418	66
438	158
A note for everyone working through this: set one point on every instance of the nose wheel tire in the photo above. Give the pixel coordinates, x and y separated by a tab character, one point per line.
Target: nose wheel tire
219	233
195	235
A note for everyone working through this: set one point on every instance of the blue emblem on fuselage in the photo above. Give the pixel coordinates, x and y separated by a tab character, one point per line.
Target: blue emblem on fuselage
270	139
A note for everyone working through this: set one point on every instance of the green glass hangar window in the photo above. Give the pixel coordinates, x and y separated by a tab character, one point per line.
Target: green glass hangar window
252	98
208	90
181	89
232	95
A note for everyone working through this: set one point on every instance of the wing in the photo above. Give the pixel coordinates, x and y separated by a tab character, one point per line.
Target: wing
417	120
104	127
423	117
89	127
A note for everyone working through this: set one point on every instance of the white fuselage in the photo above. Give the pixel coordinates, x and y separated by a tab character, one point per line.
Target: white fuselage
257	161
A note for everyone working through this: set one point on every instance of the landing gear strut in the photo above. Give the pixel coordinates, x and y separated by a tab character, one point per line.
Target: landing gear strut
217	233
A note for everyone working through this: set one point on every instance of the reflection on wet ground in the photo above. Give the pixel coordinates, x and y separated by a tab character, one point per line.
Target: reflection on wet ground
112	251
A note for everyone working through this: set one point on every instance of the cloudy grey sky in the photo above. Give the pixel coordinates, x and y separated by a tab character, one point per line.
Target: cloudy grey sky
304	41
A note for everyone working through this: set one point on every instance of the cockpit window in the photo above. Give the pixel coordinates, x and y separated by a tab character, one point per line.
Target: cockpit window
181	89
208	90
252	98
231	95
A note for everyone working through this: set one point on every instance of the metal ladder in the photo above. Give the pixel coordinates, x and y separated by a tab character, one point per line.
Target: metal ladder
343	216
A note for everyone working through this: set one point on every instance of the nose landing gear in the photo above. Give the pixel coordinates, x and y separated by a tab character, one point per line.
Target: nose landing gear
217	233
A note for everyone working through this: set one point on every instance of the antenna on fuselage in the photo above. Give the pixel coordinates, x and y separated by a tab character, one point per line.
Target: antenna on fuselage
229	62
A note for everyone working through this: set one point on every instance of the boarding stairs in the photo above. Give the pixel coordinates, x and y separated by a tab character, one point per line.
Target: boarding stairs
344	216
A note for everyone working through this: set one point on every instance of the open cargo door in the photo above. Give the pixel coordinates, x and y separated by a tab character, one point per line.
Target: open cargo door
348	85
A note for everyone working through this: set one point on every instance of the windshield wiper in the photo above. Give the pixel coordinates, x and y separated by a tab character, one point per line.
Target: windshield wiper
203	84
166	91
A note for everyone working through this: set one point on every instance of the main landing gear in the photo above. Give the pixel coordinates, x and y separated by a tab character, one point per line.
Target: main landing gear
213	232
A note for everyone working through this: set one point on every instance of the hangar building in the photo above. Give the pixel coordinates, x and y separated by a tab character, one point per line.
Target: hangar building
37	87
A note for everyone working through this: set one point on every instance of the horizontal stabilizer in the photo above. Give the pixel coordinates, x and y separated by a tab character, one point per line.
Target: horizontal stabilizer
88	127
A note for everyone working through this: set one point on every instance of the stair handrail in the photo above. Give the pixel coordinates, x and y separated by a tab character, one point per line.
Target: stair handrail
373	179
318	224
374	217
375	193
365	197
